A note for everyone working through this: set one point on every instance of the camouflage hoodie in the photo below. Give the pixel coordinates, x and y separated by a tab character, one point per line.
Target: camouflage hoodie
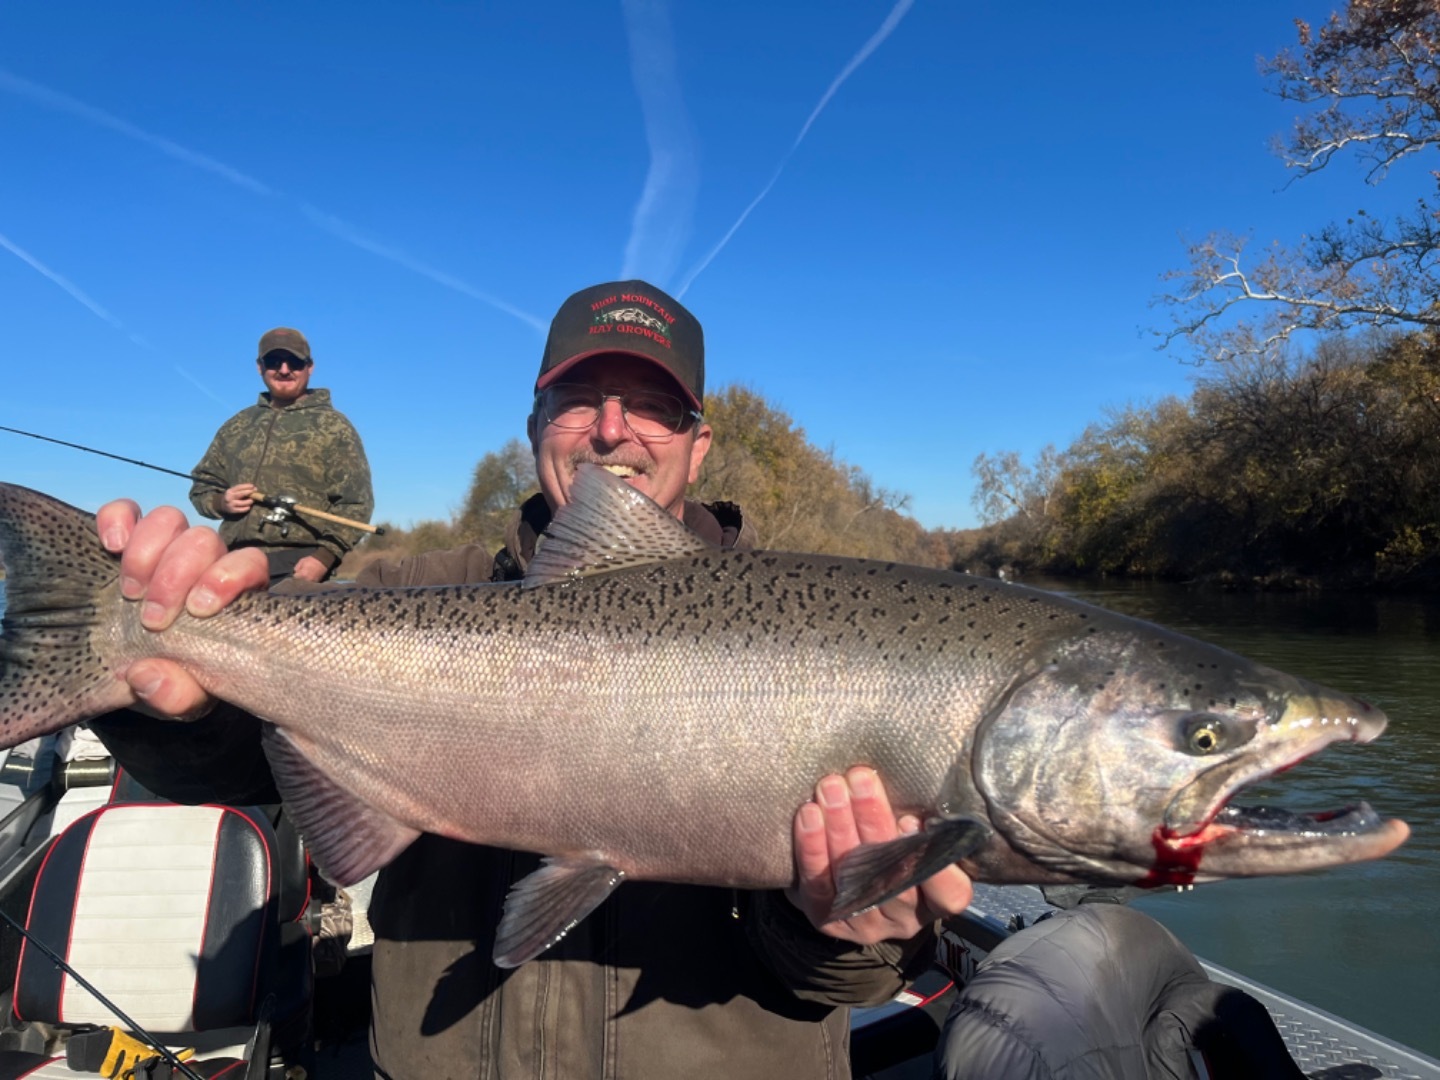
308	451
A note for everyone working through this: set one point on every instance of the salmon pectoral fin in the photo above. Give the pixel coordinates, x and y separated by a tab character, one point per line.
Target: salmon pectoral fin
543	906
348	840
873	873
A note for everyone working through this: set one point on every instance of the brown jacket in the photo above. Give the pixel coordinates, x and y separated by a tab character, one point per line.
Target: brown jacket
660	981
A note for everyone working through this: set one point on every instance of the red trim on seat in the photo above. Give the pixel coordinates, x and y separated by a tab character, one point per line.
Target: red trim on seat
938	993
115	785
304	911
30	910
42	1065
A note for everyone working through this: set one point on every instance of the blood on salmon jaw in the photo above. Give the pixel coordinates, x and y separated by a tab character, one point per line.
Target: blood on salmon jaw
645	706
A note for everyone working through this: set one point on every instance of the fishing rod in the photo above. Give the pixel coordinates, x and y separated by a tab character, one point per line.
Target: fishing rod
283	505
59	961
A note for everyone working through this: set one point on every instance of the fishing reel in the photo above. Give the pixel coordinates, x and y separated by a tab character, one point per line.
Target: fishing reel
282	511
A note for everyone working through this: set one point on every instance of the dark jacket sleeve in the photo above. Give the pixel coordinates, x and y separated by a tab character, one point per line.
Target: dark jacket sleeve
214	759
458	566
820	968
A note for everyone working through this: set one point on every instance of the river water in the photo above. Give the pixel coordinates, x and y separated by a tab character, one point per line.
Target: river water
1361	941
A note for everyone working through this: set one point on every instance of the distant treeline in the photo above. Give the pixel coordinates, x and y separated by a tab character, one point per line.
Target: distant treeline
1319	470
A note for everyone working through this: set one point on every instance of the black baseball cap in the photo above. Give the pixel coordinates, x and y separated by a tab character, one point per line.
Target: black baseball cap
632	318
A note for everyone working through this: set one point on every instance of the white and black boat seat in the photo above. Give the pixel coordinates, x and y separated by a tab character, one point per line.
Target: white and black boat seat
172	912
126	789
291	859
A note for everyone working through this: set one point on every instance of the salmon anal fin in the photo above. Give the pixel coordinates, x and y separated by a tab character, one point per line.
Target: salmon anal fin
873	873
347	839
543	906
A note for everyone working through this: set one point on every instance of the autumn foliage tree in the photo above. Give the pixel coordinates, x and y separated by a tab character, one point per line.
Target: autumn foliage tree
798	496
502	480
1274	470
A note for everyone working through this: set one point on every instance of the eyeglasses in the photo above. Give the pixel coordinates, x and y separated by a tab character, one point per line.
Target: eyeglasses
651	414
275	361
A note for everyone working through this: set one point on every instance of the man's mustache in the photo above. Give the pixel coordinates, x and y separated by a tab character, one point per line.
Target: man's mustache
639	462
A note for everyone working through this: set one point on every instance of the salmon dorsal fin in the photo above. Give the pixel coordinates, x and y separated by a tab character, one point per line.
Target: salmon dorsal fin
607	525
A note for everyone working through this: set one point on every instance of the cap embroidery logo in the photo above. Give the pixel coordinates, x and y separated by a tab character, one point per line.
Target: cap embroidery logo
633	315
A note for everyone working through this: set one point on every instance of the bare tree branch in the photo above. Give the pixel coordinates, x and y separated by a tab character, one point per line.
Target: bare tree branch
1373	75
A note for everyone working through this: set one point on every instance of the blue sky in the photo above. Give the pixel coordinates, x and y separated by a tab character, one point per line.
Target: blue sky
973	208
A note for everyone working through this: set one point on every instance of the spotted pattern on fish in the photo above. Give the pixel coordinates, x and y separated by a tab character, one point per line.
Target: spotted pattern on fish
56	578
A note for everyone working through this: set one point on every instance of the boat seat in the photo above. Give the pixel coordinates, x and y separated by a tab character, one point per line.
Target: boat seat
126	789
291	858
173	913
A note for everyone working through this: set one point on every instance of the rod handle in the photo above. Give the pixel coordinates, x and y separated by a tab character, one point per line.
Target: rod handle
310	511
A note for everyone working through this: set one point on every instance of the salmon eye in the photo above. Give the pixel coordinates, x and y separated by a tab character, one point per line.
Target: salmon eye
1204	734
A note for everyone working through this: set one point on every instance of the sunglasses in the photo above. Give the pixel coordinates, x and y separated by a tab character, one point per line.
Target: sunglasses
275	361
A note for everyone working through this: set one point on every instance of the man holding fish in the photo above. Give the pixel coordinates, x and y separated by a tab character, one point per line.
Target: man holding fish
662	979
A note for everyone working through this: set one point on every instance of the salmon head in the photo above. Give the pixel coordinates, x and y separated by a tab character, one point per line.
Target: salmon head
1124	757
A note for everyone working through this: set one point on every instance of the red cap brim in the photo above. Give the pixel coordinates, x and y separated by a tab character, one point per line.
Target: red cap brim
553	375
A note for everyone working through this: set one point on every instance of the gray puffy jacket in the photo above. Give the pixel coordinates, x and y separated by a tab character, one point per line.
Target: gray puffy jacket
1104	992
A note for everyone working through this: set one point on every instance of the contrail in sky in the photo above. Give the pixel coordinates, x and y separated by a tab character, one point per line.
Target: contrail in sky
63	103
661	222
335	227
876	40
74	291
193	381
35	264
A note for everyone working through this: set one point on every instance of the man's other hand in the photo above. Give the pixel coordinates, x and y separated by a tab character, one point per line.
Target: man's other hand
848	811
310	569
170	567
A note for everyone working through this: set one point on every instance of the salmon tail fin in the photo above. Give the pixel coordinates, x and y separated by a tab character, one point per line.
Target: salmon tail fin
59	582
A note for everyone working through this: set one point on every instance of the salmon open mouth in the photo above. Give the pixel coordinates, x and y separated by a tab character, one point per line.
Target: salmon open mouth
1240	841
1262	820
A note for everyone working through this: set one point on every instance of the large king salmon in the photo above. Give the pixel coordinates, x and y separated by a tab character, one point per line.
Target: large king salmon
646	706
